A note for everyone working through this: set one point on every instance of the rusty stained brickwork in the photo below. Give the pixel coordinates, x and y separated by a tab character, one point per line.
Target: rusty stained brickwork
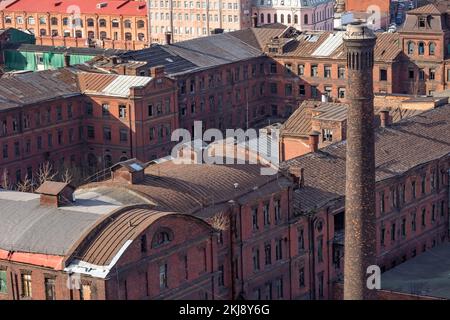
360	226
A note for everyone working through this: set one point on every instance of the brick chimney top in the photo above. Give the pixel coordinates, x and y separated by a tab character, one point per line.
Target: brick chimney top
358	30
385	118
55	194
314	141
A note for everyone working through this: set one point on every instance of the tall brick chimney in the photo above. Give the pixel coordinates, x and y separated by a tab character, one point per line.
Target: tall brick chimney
360	225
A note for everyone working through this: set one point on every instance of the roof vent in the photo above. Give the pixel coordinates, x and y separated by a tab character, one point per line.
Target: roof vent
101	5
56	194
130	171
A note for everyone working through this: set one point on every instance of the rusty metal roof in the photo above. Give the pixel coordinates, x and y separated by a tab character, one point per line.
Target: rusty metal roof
398	148
22	89
52	187
110	84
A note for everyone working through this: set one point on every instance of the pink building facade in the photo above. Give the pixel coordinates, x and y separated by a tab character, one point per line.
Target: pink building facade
301	14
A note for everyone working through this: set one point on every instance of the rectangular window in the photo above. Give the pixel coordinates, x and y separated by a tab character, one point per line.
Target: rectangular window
107	133
255	218
221	280
266	213
301	90
341	72
413	221
288	89
90	132
314	92
320	249
301	240
122	111
26	285
301	277
267	254
89	109
432	75
3	282
123	135
404	227
382	236
273	68
163	276
279	288
105	110
411	74
277	209
301	69
327	135
327	71
383	75
59	113
50	293
314	70
279	249
273	88
255	259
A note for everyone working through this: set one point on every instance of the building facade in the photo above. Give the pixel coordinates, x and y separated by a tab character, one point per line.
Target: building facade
84	120
302	15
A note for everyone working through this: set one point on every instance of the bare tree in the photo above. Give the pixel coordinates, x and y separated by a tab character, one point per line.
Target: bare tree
67	176
45	173
219	221
5	180
26	185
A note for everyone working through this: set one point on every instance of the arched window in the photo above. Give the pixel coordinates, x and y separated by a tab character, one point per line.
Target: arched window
141	37
262	18
282	18
421	48
295	19
54	33
115	23
140	24
43	32
8	19
102	23
123	158
102	35
90	22
410	47
127	23
65	21
305	19
275	18
268	18
54	21
108	161
289	19
31	20
431	48
162	237
78	34
128	36
91	34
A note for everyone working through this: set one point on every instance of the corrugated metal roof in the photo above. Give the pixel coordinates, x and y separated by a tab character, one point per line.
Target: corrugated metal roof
327	47
121	85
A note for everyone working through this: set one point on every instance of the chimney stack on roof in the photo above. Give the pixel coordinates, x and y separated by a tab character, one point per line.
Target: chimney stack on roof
314	141
66	60
157	71
385	118
131	171
168	38
55	194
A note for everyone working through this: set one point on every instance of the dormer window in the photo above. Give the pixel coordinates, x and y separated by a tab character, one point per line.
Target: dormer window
422	22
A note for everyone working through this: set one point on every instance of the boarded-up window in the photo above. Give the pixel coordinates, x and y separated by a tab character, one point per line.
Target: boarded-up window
3	282
85	292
